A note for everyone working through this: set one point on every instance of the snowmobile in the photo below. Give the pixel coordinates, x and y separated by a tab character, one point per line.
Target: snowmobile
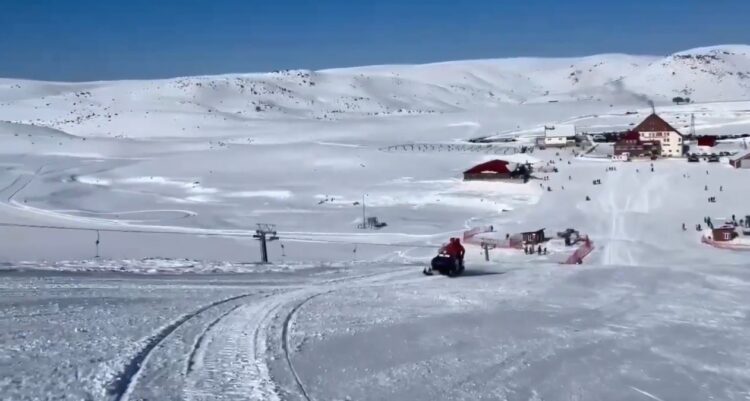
445	265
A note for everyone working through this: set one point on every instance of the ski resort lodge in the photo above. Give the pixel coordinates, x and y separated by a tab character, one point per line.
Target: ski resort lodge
654	128
652	137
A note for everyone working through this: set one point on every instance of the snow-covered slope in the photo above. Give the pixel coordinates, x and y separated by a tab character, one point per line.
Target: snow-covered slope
215	155
185	106
710	73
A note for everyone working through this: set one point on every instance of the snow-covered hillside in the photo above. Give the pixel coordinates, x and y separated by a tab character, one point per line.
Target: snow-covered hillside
215	155
168	107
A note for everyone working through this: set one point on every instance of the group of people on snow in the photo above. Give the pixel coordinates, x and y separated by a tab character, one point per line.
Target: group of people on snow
529	250
710	224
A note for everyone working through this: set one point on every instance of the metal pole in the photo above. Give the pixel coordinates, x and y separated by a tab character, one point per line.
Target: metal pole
486	253
364	224
263	248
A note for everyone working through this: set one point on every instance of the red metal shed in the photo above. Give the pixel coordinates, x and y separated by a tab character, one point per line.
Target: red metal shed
724	233
709	141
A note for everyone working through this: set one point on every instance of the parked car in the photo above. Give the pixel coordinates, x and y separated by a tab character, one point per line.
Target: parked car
713	159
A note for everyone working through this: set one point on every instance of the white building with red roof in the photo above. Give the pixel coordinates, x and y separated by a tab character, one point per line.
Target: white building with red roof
654	128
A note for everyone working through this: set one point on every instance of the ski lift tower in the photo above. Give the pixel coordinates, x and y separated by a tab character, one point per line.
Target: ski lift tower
265	233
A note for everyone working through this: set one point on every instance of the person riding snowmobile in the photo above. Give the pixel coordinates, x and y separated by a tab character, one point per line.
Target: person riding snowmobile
456	251
449	260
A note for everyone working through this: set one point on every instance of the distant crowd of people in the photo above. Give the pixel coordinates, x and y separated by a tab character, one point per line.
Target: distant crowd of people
529	250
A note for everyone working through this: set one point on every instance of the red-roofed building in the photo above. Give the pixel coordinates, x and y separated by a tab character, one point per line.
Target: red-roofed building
654	128
491	170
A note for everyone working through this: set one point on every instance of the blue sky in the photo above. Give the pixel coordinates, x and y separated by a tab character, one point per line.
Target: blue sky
107	39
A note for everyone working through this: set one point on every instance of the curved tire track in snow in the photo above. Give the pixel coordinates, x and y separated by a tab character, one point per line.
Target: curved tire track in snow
228	358
333	286
121	385
285	343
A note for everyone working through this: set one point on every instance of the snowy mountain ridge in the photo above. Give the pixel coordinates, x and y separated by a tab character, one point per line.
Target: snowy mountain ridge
100	108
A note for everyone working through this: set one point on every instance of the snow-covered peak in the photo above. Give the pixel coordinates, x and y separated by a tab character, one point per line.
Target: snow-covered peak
737	49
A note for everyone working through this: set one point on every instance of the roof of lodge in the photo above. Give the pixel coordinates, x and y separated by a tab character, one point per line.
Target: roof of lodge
654	123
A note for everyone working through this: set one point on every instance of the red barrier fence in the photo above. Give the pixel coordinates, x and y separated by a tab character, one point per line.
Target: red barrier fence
577	257
726	245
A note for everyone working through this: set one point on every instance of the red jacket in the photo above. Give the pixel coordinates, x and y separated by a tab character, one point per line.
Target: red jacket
455	249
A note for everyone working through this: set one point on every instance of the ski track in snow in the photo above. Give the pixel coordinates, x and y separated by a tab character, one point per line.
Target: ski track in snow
626	201
227	361
233	366
285	343
647	394
199	343
122	384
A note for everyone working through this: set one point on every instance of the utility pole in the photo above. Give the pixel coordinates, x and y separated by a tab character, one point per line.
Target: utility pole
265	233
364	218
97	244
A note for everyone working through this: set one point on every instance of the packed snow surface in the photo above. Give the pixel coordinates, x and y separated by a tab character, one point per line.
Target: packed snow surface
379	333
129	268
